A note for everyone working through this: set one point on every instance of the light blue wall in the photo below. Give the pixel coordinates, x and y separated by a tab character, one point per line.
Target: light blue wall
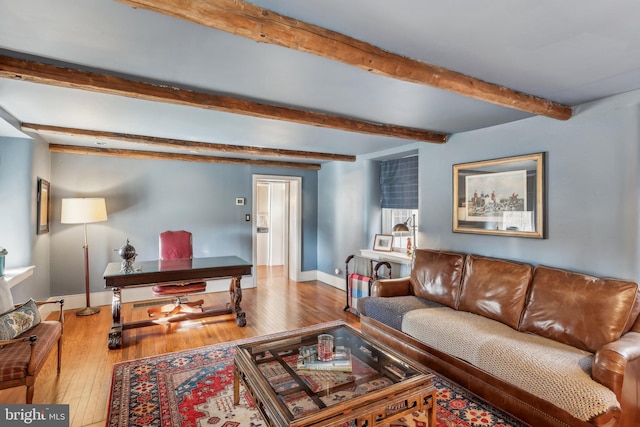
16	171
593	200
146	197
593	169
348	211
22	161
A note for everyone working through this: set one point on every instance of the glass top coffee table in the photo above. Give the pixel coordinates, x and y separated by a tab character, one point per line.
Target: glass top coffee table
379	386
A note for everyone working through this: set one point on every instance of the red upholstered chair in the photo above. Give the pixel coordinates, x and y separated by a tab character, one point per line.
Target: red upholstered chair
177	245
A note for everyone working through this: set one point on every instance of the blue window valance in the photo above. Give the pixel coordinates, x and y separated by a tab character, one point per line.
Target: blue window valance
399	183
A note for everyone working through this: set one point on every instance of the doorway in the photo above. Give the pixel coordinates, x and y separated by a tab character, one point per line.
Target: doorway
276	227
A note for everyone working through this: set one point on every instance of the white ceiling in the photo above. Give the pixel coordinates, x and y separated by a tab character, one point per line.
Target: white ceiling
569	51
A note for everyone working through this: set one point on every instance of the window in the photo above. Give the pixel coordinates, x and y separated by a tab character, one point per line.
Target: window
391	217
399	188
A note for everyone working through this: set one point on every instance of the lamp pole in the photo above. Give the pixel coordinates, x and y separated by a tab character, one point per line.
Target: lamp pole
83	211
88	310
413	229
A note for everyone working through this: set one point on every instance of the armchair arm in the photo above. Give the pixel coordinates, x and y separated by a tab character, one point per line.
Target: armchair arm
391	287
610	362
31	338
59	301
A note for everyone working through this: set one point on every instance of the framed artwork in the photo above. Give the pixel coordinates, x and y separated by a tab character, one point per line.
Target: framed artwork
383	242
44	202
503	197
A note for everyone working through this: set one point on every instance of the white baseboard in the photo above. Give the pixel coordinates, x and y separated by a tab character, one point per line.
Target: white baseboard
330	279
306	276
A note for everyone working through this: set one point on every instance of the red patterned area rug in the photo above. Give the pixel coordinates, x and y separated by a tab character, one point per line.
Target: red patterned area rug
194	388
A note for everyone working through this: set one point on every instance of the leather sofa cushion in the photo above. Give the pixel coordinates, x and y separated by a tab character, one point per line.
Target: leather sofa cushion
496	289
576	309
437	275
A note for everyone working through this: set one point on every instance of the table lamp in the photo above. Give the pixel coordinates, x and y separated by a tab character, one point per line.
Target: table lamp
84	211
403	227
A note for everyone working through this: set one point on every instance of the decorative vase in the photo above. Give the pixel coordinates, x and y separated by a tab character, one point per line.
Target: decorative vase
128	254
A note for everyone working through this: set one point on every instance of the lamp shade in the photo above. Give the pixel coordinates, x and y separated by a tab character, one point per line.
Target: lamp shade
83	211
402	227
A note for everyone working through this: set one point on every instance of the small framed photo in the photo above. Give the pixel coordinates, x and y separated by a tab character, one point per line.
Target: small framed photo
383	242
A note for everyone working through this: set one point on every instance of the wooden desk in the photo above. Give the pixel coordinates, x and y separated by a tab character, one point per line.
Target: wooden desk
148	273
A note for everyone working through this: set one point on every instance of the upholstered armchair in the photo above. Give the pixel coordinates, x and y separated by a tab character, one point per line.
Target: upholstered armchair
26	341
177	245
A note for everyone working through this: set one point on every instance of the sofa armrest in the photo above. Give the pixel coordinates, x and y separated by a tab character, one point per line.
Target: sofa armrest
610	362
391	287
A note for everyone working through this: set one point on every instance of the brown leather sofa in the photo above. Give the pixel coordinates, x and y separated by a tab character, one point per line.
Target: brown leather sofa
537	312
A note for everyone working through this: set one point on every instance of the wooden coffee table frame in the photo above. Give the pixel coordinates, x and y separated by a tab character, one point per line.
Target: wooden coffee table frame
412	394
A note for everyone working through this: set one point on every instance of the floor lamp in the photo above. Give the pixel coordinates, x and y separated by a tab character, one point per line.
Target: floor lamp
84	211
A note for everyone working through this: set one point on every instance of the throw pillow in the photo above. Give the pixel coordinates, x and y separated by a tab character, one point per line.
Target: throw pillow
19	320
6	300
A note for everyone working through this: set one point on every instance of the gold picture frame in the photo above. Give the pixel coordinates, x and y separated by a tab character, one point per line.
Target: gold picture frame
502	197
44	204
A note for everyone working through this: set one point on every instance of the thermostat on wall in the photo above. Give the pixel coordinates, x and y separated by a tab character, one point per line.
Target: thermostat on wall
239	201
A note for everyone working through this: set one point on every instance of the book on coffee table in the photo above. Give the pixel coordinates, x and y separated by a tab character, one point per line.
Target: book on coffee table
308	359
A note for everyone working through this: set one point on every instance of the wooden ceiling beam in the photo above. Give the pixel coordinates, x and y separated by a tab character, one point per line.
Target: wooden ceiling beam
156	155
185	145
265	26
37	72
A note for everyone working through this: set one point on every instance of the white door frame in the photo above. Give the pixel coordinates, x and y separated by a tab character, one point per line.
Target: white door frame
295	221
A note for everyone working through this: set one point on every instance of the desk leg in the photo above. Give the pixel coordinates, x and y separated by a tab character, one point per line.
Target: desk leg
115	334
236	297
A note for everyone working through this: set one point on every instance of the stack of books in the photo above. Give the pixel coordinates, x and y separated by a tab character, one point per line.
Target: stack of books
341	361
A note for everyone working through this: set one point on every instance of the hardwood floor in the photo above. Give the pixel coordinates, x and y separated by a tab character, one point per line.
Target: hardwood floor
275	305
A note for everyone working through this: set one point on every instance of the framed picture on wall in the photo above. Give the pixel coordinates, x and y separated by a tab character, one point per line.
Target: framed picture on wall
383	242
503	197
44	202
